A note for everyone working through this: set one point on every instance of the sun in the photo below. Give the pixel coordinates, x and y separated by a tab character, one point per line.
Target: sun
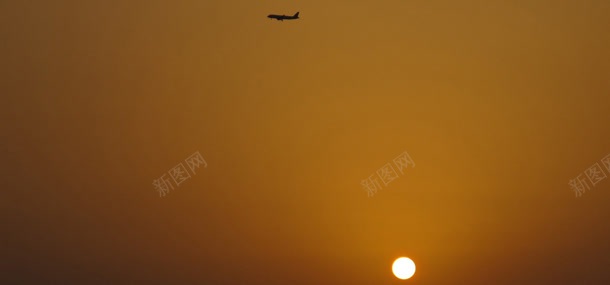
403	268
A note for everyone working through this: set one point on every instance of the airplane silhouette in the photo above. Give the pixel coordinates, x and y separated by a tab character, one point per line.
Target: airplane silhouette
283	17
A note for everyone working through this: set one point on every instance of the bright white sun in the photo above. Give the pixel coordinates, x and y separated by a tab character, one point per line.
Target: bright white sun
403	268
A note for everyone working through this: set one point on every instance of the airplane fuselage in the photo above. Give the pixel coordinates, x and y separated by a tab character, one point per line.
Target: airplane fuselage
283	17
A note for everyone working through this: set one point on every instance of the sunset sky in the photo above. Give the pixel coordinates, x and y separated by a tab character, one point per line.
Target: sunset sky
499	104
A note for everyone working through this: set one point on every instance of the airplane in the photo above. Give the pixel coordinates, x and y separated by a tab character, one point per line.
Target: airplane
283	17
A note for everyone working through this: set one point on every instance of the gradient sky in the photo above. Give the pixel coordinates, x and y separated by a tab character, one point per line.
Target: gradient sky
499	103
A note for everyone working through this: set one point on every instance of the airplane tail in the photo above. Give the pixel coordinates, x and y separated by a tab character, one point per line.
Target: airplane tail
296	15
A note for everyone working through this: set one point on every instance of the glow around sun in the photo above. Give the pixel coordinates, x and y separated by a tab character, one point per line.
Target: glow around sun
403	268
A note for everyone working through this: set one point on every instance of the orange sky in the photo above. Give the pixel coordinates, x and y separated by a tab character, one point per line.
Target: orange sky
498	104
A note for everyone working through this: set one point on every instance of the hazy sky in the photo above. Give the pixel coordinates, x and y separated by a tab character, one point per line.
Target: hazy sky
499	104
